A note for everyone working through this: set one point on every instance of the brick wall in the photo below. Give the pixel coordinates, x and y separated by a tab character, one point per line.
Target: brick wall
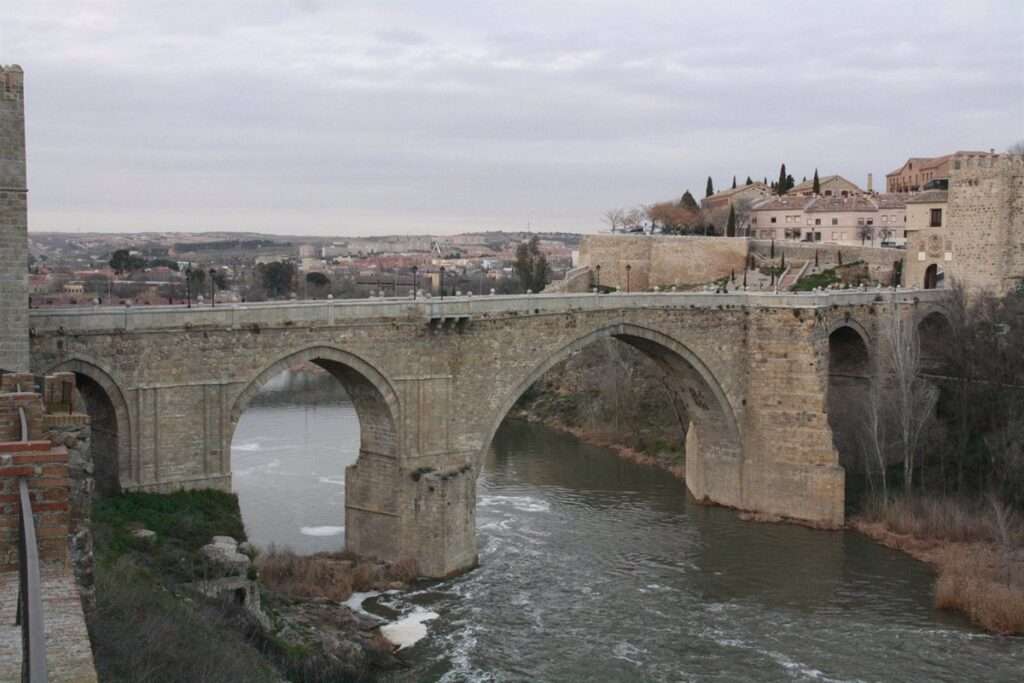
46	468
14	343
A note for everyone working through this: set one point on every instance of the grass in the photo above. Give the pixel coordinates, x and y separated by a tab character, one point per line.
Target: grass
141	632
974	546
183	521
822	279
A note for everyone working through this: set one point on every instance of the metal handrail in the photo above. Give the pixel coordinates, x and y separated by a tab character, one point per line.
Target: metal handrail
30	602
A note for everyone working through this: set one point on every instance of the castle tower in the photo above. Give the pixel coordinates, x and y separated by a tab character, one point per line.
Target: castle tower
13	223
986	220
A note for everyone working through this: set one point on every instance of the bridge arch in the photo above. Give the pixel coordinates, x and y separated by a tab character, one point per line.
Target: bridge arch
374	399
713	437
934	335
111	426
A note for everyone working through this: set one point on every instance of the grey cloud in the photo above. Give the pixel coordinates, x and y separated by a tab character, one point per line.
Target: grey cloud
409	117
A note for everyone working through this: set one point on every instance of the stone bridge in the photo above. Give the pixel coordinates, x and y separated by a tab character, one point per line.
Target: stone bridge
431	381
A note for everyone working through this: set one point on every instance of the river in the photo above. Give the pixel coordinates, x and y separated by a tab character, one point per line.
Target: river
596	569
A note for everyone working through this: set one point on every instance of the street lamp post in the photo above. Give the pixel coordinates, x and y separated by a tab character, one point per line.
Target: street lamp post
213	291
188	284
442	283
415	269
597	277
629	267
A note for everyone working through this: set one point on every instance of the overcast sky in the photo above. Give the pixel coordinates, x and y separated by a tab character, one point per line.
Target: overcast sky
310	116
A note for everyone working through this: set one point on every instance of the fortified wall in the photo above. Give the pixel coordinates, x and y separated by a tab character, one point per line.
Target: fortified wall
661	260
986	220
13	224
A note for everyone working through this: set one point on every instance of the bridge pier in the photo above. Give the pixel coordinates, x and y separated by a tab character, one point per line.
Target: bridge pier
396	512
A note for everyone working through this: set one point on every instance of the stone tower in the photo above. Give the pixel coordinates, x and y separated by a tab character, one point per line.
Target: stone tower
13	223
986	220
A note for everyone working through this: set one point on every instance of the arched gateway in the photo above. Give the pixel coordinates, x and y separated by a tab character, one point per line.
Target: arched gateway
431	381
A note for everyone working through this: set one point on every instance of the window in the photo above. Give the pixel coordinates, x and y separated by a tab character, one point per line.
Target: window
871	221
808	221
885	219
936	218
817	236
817	221
904	234
773	219
835	221
860	221
828	193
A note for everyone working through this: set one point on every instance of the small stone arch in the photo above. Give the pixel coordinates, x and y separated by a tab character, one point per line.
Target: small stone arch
714	441
934	277
934	334
111	427
373	397
849	381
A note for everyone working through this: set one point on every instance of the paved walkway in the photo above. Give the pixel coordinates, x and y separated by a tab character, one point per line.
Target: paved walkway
68	653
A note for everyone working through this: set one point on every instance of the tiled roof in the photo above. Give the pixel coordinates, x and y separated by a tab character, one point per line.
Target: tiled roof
891	201
834	204
928	197
783	203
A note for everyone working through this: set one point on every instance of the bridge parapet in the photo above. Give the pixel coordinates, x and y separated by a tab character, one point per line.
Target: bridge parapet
107	318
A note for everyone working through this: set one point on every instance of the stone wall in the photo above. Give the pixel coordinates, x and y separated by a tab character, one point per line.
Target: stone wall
661	260
14	346
986	220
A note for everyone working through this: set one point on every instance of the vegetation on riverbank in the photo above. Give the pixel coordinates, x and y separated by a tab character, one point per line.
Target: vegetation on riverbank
973	547
612	395
947	405
150	624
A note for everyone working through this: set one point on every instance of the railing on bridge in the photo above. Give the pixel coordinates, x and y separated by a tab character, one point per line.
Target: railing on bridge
30	601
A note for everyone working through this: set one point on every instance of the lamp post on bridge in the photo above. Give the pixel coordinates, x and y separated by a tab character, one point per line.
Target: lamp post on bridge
213	290
597	277
442	283
415	269
629	267
188	284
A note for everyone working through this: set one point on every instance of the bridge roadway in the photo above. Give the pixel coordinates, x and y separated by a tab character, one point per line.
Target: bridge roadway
432	379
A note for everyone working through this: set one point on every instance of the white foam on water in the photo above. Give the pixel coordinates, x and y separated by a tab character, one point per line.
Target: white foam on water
337	481
246	447
322	530
408	630
356	600
521	503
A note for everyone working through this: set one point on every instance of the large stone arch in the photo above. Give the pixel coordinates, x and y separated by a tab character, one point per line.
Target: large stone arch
714	452
373	397
372	518
111	426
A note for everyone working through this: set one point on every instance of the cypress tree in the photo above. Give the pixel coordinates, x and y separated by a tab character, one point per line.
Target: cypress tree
749	181
781	185
817	183
734	182
790	183
710	188
730	228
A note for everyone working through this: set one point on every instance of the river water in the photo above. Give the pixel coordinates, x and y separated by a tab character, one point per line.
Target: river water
596	569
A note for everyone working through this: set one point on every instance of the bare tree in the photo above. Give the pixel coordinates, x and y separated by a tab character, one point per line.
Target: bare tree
911	398
615	218
1016	148
872	435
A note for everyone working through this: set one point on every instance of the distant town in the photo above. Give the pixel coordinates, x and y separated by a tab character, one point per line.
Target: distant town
87	269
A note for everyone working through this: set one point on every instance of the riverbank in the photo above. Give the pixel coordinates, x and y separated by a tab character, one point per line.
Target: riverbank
980	571
171	607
